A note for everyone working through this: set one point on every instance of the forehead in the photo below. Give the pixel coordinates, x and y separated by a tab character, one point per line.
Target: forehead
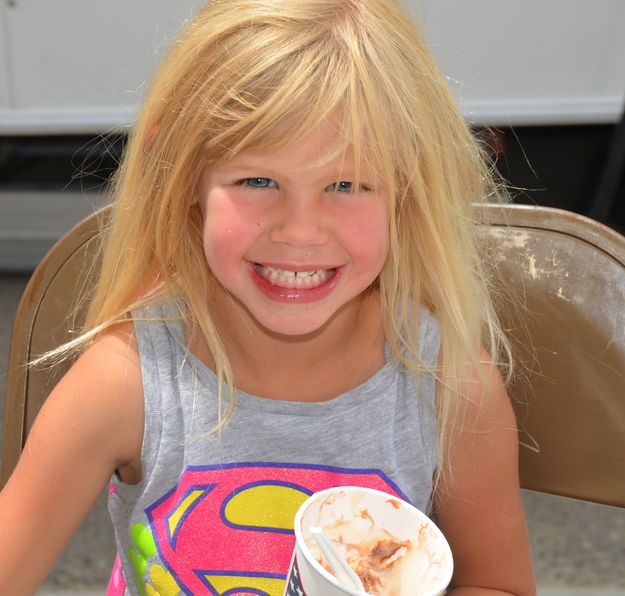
327	146
319	148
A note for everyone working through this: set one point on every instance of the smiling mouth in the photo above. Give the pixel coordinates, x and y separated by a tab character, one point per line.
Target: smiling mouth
304	280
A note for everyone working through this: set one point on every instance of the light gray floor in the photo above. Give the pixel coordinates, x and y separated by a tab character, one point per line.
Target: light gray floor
578	547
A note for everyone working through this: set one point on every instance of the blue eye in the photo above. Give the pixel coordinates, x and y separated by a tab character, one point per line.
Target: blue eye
259	182
340	187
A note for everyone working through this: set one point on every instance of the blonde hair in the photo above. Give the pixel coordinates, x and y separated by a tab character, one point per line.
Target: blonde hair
242	70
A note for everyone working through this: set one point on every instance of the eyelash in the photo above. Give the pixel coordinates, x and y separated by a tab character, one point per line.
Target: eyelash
260	182
248	182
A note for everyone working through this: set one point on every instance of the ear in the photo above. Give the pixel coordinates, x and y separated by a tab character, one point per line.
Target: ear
150	136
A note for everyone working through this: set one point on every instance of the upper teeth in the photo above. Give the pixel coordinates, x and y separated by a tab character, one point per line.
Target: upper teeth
294	279
287	273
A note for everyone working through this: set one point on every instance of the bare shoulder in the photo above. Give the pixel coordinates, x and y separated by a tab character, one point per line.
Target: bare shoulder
103	388
113	355
486	405
479	506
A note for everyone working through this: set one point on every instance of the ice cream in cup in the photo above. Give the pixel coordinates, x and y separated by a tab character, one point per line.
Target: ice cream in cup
393	548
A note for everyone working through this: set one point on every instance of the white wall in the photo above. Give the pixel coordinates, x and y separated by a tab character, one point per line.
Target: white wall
531	61
80	65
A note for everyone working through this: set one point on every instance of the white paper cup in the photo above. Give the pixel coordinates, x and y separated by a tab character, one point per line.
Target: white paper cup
364	518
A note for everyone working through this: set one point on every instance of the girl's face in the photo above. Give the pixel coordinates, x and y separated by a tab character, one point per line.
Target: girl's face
287	235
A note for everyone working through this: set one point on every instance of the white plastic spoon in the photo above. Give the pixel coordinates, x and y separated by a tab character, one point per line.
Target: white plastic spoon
340	567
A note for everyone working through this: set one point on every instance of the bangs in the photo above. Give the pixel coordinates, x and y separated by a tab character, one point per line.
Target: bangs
266	80
278	88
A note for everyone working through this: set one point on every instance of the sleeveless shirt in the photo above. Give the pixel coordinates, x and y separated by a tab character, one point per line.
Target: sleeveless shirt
213	512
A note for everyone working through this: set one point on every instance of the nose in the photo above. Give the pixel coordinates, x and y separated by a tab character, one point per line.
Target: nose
300	223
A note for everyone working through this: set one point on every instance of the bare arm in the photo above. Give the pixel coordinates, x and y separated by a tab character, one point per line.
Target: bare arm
480	511
91	425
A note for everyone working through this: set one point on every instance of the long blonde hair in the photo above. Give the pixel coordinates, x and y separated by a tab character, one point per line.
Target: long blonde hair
242	70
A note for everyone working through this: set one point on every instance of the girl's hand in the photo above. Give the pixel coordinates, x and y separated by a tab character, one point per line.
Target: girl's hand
90	426
480	511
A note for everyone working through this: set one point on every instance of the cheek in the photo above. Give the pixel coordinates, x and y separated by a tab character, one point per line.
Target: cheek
223	223
370	238
224	248
225	238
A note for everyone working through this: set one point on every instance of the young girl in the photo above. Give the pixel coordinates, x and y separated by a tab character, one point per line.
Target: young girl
291	298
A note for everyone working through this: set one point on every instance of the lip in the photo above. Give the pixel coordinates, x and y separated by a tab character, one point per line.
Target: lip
294	295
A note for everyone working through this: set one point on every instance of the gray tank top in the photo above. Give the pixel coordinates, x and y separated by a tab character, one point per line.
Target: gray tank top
213	513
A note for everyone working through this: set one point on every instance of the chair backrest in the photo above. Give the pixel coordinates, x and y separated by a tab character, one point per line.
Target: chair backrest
565	271
44	320
568	275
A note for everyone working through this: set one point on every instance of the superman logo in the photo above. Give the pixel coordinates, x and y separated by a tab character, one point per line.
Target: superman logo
227	530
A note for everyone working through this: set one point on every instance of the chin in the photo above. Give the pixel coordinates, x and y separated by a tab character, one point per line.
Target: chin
293	330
